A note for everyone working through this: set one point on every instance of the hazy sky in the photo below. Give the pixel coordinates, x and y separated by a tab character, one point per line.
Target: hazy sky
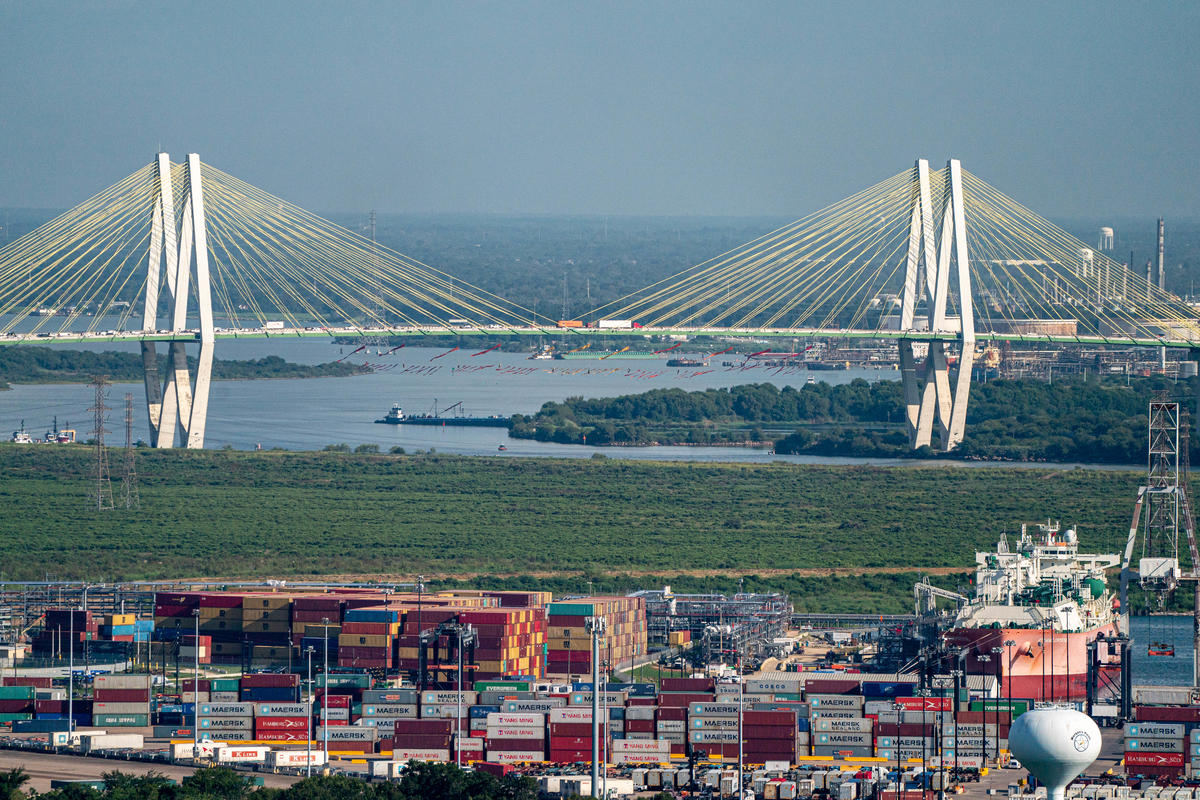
738	108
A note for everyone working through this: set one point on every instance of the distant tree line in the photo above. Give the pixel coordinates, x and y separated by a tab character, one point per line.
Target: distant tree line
421	780
21	364
1075	419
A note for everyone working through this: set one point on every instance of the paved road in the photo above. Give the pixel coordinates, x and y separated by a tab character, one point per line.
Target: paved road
42	767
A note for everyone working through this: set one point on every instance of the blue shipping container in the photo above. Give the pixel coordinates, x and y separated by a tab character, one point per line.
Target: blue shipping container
372	615
481	712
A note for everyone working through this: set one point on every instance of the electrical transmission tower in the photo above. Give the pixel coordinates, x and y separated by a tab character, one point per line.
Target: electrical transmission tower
101	491
129	488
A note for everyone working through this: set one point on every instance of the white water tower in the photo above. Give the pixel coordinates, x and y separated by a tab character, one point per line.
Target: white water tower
1106	240
1056	745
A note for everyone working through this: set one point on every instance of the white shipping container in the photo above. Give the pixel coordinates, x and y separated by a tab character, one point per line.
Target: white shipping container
122	682
295	758
670	725
227	709
242	754
448	698
443	711
206	724
539	705
121	708
273	325
470	744
207	750
506	732
347	733
515	756
194	697
570	715
712	710
832	725
281	710
402	710
516	720
1154	730
614	323
836	701
113	741
223	697
640	712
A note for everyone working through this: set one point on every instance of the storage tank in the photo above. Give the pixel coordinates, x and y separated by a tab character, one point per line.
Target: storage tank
1056	745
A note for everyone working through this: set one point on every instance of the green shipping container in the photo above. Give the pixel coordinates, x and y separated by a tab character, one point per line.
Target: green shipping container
515	686
225	685
353	681
570	609
17	692
61	784
14	717
1018	707
121	720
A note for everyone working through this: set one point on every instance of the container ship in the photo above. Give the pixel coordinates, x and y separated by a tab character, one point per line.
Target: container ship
1034	612
396	416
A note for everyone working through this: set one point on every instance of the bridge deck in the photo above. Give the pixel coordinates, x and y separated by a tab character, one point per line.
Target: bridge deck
549	330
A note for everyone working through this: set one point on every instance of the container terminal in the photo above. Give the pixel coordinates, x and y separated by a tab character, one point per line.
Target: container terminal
655	691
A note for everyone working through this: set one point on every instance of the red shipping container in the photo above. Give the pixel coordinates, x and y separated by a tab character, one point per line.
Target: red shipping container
268	680
784	718
189	685
758	733
640	726
831	686
281	723
421	740
516	744
404	726
337	701
281	736
906	729
569	756
50	706
641	701
573	729
1137	758
923	703
774	746
569	742
1167	713
671	713
16	706
498	770
38	683
683	699
691	685
220	601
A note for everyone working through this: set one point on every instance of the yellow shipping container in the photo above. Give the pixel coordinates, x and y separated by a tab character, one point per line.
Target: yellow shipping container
364	640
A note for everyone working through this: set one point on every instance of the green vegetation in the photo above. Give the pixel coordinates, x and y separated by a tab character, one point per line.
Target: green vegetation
540	523
421	780
48	365
1092	421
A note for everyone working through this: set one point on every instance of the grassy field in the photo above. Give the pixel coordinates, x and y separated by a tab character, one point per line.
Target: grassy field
836	537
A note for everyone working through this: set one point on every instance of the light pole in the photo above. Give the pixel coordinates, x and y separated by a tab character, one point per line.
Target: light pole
308	651
70	671
420	589
996	651
1009	644
741	757
325	706
596	626
196	688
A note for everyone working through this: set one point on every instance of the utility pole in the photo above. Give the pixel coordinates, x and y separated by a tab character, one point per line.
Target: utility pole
102	491
129	490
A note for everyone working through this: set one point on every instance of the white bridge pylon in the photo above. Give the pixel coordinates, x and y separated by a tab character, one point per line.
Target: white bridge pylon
180	401
928	274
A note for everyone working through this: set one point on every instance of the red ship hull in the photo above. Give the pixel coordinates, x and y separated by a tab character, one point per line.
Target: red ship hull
1038	664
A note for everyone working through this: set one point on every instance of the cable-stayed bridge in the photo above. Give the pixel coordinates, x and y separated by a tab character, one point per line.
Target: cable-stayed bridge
938	260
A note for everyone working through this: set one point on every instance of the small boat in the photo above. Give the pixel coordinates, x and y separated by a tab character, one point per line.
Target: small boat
501	448
1161	649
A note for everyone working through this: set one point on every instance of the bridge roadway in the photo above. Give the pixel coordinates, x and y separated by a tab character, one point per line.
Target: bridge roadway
551	330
